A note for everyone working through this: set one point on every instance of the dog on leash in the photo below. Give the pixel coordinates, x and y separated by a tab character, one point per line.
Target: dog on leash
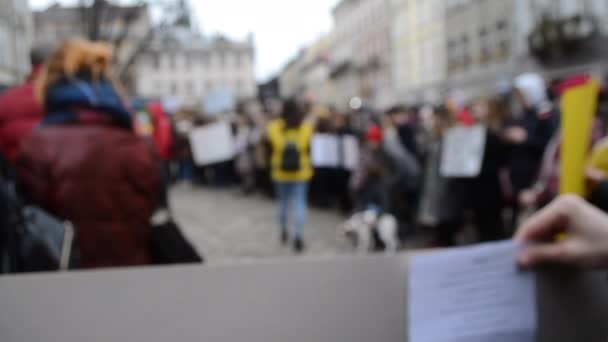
362	225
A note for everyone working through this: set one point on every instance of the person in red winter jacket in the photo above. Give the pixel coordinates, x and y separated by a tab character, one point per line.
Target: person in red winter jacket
86	165
19	110
163	130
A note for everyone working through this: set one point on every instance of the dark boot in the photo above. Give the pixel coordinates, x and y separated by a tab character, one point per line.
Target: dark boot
298	245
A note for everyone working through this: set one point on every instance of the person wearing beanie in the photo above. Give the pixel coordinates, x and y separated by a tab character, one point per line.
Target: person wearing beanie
531	127
85	164
369	181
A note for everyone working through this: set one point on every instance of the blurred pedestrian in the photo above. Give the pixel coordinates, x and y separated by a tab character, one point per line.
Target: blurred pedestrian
341	174
244	163
400	142
404	120
321	194
485	195
290	138
19	110
370	182
533	123
85	164
441	201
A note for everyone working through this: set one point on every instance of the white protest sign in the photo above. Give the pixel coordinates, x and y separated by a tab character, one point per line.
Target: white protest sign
212	143
324	150
463	151
471	294
219	101
350	152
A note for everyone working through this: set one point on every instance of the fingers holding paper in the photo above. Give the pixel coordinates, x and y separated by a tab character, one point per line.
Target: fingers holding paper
568	231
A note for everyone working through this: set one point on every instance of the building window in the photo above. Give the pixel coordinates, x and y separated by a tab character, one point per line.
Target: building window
188	61
238	59
504	49
155	61
189	86
158	87
484	53
501	25
172	62
205	61
453	56
4	49
222	60
173	88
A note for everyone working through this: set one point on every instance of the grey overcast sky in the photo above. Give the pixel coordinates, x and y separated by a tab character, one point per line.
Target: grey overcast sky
280	27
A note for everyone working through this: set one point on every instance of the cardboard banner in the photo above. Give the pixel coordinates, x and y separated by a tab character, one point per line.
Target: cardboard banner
325	150
350	152
578	106
333	151
463	151
343	299
212	143
219	101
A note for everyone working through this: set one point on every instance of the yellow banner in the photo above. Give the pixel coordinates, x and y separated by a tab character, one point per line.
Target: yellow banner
578	107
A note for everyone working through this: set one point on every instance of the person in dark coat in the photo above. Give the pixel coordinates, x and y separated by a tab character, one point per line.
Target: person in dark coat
19	110
527	135
341	174
486	195
370	182
86	165
442	199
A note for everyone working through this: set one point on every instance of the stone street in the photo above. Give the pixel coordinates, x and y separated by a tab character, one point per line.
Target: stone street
225	225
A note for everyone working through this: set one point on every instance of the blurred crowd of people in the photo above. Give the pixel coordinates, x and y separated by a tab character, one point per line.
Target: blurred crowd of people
399	165
87	154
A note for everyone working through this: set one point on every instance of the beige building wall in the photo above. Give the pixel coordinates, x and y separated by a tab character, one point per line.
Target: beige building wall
187	66
362	50
485	44
419	50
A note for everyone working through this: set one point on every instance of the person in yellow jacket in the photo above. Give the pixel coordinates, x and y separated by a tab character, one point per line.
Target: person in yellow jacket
290	137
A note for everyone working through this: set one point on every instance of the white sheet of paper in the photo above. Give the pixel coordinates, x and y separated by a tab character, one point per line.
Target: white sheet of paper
212	143
472	294
463	150
324	150
350	150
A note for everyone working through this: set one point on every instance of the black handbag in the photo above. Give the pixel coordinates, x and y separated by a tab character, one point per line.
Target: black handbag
44	242
32	240
168	244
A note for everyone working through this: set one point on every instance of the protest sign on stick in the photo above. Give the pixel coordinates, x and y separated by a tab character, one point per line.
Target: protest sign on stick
212	143
463	150
350	150
324	150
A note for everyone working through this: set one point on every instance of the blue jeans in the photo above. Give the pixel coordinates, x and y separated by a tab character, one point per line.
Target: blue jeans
296	194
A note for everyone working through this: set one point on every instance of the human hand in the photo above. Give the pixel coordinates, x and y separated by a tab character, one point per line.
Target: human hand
528	198
586	235
515	135
594	176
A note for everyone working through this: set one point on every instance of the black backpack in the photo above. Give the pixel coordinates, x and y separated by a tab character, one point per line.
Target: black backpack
290	160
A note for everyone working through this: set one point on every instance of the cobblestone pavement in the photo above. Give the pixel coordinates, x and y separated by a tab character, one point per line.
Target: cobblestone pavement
226	225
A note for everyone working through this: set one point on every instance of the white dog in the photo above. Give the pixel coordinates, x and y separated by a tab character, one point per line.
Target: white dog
362	225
